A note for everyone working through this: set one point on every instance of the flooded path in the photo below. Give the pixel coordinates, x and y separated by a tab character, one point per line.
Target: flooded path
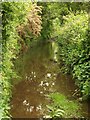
40	75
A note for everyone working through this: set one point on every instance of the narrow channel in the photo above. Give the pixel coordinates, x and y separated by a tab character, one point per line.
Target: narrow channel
39	76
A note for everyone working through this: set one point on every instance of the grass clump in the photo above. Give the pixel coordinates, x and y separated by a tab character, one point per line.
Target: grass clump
63	107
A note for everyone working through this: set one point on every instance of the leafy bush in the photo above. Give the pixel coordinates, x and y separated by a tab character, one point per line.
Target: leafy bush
62	107
74	47
14	14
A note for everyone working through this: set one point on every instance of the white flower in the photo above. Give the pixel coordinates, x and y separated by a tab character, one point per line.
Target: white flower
24	102
31	108
38	108
47	84
41	92
34	76
53	83
48	75
41	84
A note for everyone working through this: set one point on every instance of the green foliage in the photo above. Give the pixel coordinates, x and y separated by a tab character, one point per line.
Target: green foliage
13	14
55	11
46	22
54	112
62	107
74	44
50	12
74	47
18	18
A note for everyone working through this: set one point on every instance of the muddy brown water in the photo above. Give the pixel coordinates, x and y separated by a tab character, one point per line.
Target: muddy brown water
40	75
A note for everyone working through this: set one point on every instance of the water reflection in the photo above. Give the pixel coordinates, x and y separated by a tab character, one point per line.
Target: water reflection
40	76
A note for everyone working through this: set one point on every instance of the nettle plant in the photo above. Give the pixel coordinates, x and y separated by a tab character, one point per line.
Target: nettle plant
75	49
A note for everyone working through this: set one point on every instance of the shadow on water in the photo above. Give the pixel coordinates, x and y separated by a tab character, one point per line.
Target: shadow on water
39	76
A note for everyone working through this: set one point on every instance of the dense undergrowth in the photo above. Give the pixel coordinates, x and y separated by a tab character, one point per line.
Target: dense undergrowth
70	23
11	17
21	24
17	19
74	47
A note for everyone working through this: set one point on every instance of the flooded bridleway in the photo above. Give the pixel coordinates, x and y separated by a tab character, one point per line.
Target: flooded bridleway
40	75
